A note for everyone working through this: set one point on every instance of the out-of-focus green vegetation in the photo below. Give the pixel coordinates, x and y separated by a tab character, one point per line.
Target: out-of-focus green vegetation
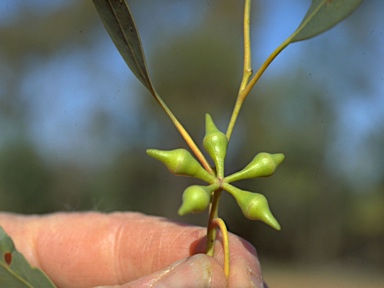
329	193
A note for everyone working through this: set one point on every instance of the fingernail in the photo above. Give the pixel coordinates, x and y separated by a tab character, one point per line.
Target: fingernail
256	280
195	271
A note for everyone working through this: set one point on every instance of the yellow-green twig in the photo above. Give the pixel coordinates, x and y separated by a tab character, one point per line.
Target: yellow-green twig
245	92
218	222
247	69
188	139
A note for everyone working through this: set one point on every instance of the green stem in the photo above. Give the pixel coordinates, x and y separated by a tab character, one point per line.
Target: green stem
211	230
247	69
245	92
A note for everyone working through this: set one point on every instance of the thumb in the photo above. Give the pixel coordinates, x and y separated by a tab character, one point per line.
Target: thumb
198	270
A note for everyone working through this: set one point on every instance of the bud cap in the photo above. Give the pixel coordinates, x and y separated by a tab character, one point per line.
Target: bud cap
195	200
181	162
263	165
215	143
254	206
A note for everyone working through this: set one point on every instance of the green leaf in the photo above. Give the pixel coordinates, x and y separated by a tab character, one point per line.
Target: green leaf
118	21
121	27
323	15
15	271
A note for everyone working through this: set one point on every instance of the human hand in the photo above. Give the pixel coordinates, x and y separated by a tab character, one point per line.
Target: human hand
127	250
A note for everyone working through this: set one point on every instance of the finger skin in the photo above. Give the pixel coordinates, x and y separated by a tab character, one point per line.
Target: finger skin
95	249
199	271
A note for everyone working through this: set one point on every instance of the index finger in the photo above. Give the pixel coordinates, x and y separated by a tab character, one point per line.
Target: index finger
90	249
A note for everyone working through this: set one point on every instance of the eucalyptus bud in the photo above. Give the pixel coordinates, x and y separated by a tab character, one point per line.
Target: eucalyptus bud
195	199
215	143
263	165
181	162
253	205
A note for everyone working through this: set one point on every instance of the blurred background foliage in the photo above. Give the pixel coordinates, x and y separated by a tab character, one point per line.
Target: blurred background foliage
74	123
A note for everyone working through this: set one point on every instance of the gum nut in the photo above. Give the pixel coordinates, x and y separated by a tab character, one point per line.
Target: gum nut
263	165
255	207
195	200
215	143
181	162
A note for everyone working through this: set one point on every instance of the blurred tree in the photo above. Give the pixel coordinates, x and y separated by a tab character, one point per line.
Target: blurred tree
25	181
196	66
26	43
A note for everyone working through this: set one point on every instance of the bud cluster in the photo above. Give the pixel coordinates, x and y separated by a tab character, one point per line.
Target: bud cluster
197	198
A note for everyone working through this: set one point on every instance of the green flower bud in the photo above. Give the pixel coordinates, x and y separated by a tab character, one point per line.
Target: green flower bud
253	205
263	165
215	143
195	199
181	162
